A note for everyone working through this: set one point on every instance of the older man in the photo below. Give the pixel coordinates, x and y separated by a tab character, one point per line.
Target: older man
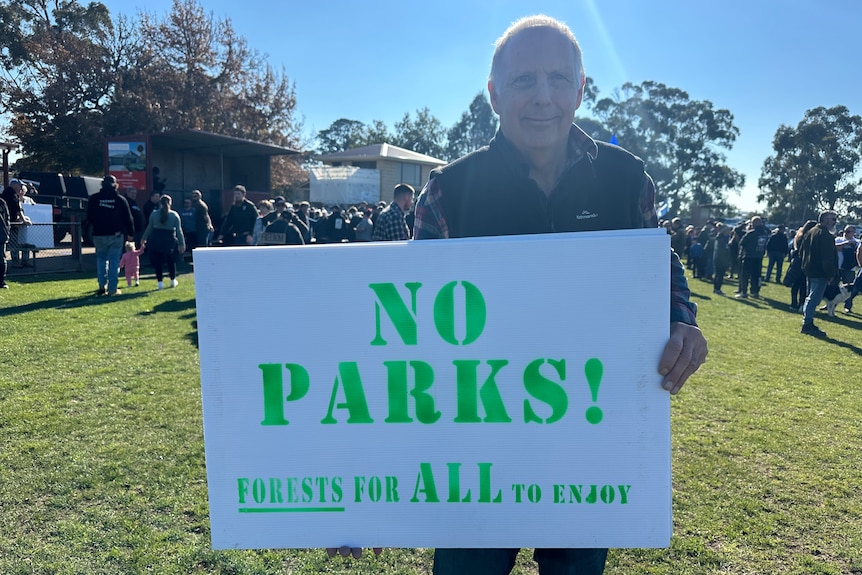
554	172
820	264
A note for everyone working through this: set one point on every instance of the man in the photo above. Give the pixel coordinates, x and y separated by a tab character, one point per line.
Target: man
203	222
151	206
302	216
777	249
238	226
847	245
108	212
137	215
820	264
336	227
188	224
391	225
752	248
543	163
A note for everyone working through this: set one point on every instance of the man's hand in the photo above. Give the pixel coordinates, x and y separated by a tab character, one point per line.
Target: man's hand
346	551
684	353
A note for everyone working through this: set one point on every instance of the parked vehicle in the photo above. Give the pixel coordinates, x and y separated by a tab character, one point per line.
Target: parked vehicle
68	197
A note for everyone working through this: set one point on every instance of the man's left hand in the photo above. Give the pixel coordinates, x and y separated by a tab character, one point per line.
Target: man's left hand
684	353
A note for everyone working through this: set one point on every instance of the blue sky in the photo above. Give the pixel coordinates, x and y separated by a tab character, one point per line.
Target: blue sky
767	61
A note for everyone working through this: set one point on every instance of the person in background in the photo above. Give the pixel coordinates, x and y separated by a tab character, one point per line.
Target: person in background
138	221
109	214
203	222
820	264
847	246
720	257
151	205
13	194
391	225
798	286
5	230
189	222
163	238
777	249
265	209
365	228
130	261
238	226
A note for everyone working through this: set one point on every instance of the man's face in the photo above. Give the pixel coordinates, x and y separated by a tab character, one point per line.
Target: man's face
131	193
280	206
536	90
187	203
154	198
237	197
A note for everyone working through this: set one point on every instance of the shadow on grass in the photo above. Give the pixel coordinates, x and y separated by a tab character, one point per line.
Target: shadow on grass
177	306
86	300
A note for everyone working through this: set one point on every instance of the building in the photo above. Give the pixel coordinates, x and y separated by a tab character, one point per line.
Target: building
395	165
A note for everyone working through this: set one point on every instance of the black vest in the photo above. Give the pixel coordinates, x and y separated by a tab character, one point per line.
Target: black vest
488	193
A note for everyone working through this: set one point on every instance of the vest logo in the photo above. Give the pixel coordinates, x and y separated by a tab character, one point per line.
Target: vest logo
586	215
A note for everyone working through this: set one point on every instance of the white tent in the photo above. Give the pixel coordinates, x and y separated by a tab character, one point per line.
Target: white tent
343	185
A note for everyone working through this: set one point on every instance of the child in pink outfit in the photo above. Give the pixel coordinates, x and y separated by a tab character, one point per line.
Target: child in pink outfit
131	261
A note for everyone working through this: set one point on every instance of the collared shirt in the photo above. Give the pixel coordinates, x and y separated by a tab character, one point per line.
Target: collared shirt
391	225
430	217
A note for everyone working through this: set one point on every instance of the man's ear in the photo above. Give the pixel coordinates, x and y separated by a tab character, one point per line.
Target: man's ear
492	94
583	82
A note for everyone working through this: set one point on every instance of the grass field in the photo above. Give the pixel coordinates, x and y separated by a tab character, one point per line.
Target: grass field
102	459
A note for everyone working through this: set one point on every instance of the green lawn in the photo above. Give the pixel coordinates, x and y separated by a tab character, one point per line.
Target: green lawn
102	460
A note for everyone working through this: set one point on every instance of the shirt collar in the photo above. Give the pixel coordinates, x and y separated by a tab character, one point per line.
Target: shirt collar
579	145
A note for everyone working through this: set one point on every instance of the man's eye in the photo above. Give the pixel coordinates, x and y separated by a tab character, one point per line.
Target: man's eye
523	81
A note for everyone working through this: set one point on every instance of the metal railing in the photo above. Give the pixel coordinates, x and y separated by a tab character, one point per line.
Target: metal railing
44	248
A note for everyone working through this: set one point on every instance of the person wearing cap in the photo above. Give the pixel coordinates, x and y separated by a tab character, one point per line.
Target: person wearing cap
109	214
238	226
391	225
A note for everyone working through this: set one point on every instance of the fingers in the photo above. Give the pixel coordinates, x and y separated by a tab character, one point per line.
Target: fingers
685	352
347	551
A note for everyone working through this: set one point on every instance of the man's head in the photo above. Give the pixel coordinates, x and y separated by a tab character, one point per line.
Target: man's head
828	219
403	196
196	195
536	83
280	204
238	194
109	183
849	232
131	193
187	203
15	184
756	221
155	197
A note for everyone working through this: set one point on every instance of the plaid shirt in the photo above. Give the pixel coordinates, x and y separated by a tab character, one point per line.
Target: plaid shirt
391	225
430	220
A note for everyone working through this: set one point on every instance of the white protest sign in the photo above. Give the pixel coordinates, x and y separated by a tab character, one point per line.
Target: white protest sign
42	235
487	392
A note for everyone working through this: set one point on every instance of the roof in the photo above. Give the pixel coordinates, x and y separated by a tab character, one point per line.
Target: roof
381	152
207	142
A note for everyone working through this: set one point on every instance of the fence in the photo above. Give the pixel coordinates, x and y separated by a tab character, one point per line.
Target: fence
45	248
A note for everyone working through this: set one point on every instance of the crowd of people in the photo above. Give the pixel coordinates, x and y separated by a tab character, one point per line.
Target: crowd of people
821	264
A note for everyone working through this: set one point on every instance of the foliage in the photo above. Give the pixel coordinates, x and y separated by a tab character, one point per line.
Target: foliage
76	76
57	81
816	166
678	138
344	134
475	128
102	468
424	135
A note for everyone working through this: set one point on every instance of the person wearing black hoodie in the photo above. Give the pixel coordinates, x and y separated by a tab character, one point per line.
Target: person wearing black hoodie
108	212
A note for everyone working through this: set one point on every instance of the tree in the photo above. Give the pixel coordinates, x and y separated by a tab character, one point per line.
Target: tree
816	166
678	139
342	134
424	135
475	128
57	81
73	76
